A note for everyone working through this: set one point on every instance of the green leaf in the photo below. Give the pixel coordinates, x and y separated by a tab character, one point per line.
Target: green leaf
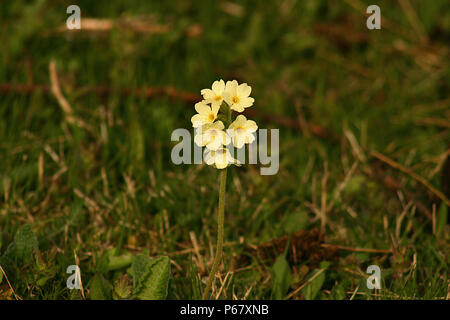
338	292
150	277
122	287
295	221
100	288
311	290
110	261
26	242
119	262
441	220
281	278
42	281
139	268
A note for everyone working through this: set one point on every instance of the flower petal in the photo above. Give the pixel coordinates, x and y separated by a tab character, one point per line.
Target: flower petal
200	140
231	86
214	144
243	90
225	138
221	164
218	125
218	87
198	120
247	102
202	107
227	97
209	157
240	119
237	107
221	159
249	138
215	106
239	141
251	126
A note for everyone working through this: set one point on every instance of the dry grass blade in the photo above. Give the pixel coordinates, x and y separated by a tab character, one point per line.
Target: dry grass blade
140	24
56	90
414	20
304	284
62	101
9	284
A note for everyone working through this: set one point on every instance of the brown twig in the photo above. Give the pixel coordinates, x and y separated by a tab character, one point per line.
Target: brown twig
21	88
412	174
338	247
146	92
434	122
292	123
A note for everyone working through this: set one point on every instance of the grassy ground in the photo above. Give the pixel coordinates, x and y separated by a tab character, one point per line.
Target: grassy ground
364	135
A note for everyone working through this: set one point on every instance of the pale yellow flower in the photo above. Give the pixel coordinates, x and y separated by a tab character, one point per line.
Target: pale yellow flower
219	158
237	95
241	131
214	96
212	136
206	114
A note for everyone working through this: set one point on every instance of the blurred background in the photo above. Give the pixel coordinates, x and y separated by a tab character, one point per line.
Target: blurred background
85	169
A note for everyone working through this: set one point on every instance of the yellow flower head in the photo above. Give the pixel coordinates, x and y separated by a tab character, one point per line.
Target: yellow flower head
237	95
211	131
212	136
241	131
219	158
214	96
205	115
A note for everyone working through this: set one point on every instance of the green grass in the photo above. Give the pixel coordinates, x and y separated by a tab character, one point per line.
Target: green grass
111	184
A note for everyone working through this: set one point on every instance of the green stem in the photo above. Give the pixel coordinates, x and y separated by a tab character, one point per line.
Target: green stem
220	223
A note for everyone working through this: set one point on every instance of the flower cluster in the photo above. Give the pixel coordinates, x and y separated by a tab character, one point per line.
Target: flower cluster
213	111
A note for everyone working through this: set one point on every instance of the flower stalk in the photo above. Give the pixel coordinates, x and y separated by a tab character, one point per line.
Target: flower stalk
213	116
220	227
